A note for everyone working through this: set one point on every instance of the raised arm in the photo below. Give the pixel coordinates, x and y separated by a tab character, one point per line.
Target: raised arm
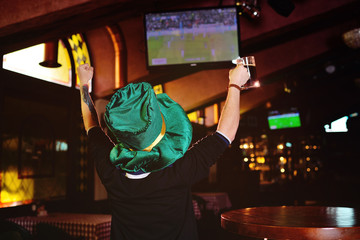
88	111
230	115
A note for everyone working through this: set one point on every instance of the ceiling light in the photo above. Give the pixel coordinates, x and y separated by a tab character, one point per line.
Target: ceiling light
249	8
352	38
51	55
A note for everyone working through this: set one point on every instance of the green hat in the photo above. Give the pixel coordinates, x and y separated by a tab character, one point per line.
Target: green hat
151	131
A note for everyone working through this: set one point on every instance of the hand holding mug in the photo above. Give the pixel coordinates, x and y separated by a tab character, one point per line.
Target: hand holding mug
239	75
249	63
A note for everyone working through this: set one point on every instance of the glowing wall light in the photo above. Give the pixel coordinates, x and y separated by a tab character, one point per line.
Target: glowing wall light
26	62
338	125
13	190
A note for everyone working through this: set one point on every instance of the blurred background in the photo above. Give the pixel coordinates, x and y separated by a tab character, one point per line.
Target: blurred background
298	140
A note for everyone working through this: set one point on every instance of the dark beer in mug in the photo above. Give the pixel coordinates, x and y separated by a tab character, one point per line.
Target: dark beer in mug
249	63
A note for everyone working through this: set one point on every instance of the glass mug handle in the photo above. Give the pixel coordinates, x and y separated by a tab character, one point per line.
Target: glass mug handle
238	60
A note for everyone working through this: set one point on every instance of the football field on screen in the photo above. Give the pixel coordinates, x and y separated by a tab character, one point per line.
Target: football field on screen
285	122
192	48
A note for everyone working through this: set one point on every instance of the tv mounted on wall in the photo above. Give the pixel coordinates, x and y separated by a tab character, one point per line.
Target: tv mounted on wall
207	37
289	118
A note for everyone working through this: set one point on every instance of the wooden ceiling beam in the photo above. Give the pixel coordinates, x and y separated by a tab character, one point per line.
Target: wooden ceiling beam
346	13
79	18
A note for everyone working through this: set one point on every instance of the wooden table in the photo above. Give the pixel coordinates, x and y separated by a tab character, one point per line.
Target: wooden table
294	222
86	226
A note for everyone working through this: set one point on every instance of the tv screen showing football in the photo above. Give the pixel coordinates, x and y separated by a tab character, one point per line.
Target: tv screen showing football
281	120
192	36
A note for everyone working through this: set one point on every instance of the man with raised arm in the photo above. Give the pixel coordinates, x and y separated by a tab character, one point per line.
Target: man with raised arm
148	169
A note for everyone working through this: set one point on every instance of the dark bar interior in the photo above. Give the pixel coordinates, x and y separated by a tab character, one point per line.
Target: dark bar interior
298	141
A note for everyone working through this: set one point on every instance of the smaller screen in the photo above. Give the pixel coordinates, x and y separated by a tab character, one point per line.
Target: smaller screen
281	120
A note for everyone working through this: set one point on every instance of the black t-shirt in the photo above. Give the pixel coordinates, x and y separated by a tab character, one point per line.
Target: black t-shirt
160	205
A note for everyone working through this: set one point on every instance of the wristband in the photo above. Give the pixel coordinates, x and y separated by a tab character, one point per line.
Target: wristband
235	86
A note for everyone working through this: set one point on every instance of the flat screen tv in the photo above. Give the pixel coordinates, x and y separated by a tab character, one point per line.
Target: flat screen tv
284	119
207	37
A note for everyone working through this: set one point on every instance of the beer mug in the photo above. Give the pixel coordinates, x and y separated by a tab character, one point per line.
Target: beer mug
249	63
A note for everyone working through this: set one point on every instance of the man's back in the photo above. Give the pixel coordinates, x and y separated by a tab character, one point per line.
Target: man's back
160	205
